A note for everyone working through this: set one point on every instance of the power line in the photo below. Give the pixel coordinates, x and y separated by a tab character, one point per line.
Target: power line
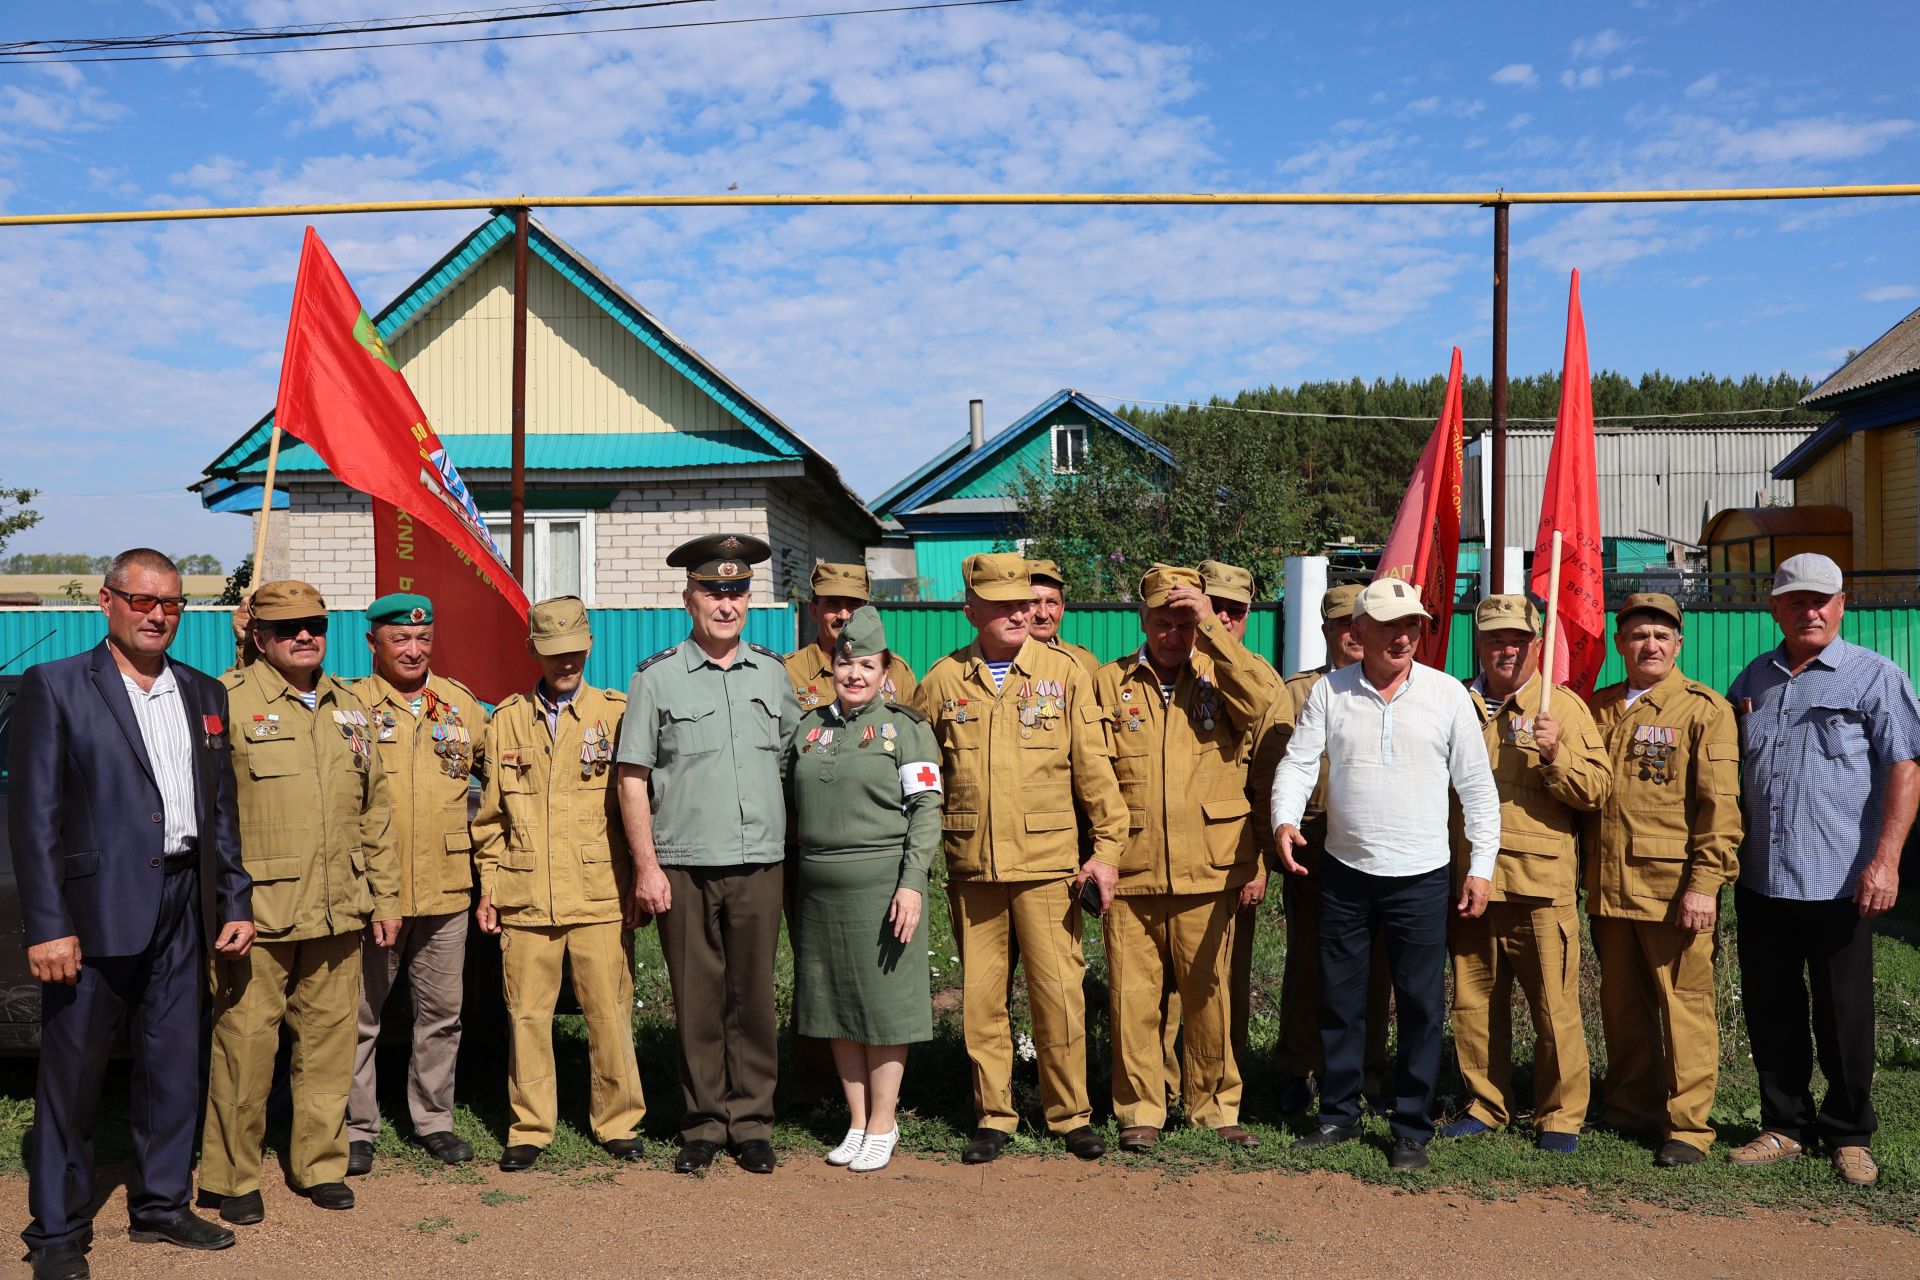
311	30
1389	417
517	35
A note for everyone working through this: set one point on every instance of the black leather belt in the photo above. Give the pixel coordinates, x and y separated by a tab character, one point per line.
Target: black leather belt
186	860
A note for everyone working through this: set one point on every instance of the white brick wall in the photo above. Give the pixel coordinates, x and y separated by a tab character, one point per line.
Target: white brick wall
328	542
633	540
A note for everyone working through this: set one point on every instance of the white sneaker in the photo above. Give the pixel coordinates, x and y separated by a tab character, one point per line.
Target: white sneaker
876	1151
848	1149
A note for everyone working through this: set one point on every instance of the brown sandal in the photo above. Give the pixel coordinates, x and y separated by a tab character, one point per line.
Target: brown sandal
1768	1148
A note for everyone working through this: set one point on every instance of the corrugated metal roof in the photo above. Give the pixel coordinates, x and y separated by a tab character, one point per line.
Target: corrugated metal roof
1893	354
555	452
1661	482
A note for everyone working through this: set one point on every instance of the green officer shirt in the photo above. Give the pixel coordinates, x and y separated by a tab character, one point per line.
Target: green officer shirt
867	785
712	738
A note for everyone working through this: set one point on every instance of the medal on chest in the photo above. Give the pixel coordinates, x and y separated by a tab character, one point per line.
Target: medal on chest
811	697
1206	704
887	735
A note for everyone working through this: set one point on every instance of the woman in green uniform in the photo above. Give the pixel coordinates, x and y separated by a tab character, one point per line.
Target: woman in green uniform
863	778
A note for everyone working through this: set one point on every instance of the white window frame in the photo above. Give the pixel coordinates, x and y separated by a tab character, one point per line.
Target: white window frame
1068	429
540	525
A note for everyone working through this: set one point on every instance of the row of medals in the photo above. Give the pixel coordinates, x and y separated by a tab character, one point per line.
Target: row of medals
1206	705
823	738
596	749
353	727
1653	746
1040	702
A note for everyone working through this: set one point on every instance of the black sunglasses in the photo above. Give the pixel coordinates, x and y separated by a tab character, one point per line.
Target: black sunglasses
292	627
144	604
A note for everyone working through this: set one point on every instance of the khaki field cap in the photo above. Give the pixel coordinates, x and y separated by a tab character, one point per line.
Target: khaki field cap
1046	571
1227	581
1808	571
559	625
849	580
1507	613
1389	599
284	600
999	575
1160	581
1337	604
1651	602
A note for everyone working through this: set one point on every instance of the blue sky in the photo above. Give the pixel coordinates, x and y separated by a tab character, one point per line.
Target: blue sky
136	353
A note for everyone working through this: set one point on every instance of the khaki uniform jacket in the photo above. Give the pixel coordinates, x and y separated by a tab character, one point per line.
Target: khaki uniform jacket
1270	739
1016	760
811	671
1088	660
1658	837
1182	766
548	844
1541	803
316	831
428	789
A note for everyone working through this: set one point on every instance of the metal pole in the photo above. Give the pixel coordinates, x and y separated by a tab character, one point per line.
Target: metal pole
518	491
1496	502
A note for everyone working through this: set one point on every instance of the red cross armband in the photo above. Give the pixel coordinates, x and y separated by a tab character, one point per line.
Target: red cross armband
918	776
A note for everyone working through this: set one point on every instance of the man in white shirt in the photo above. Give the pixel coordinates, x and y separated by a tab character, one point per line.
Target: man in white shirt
1395	736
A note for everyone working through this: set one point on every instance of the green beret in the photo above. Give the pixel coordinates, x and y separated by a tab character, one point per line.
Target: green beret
402	607
864	636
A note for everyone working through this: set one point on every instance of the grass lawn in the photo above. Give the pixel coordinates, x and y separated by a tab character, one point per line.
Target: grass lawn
1608	1173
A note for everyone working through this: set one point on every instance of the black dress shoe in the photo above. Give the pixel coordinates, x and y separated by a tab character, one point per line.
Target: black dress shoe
625	1148
984	1147
445	1146
359	1159
63	1261
329	1195
519	1157
241	1211
695	1155
1409	1156
183	1229
754	1155
1084	1143
1331	1135
1674	1153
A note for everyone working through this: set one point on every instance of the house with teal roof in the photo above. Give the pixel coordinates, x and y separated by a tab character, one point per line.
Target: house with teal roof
634	442
960	501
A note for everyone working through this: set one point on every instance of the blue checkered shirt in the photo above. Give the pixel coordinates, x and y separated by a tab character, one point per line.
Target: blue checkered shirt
1814	754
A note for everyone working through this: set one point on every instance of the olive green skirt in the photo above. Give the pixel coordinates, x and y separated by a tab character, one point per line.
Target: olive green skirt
852	979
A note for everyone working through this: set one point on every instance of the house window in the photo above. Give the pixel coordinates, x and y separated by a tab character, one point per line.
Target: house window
1069	448
558	551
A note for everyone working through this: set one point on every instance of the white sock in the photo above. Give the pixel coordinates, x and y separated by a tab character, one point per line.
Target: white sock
849	1147
876	1151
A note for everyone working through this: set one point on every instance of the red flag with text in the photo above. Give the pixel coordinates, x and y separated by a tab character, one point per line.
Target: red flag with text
1424	547
341	392
1571	505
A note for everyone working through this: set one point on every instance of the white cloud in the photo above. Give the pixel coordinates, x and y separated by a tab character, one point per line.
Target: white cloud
1516	75
1890	293
1520	121
1586	78
1600	46
1705	86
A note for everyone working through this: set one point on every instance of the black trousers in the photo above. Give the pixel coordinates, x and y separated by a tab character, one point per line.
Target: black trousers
1802	961
1410	913
157	992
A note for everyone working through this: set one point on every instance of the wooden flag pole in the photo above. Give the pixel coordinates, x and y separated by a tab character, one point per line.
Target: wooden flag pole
1553	624
266	510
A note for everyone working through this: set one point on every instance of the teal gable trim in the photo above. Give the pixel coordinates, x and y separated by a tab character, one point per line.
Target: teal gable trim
650	450
883	504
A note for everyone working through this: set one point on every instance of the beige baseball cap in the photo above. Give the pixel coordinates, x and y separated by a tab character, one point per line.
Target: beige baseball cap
1388	599
1507	613
1809	571
849	580
1227	581
559	625
1158	582
997	575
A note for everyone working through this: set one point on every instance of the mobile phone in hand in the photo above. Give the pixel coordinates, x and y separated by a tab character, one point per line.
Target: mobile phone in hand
1090	896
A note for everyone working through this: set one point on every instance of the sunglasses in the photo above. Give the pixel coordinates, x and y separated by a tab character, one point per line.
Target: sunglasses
144	604
293	627
1232	610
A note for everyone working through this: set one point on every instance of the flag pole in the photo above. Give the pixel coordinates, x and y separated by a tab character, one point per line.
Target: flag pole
266	506
1493	506
1553	624
517	477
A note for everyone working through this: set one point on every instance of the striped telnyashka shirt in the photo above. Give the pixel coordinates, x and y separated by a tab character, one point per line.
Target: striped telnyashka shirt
169	741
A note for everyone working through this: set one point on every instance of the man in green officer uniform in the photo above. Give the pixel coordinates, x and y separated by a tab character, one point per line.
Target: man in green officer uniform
316	836
707	824
428	732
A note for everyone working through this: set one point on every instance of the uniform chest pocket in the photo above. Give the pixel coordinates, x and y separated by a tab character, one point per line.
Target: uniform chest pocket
963	735
273	759
688	729
1840	732
763	727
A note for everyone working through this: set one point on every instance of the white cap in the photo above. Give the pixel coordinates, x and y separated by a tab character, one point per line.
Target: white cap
1808	571
1386	599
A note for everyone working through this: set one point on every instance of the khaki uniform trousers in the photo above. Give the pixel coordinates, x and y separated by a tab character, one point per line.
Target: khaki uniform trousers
1299	1050
1656	984
433	951
1042	916
1537	946
313	987
1188	938
530	959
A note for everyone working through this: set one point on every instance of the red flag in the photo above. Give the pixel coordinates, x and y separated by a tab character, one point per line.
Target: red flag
1571	505
1424	547
341	391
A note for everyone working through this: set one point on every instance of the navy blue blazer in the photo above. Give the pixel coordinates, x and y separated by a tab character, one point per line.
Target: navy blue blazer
84	814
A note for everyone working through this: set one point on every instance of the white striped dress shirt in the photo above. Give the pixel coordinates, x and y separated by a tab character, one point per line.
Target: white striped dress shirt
169	740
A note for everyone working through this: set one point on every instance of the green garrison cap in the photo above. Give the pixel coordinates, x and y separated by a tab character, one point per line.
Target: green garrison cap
864	636
402	607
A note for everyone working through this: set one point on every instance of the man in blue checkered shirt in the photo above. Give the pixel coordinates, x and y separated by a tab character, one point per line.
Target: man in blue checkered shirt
1829	733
